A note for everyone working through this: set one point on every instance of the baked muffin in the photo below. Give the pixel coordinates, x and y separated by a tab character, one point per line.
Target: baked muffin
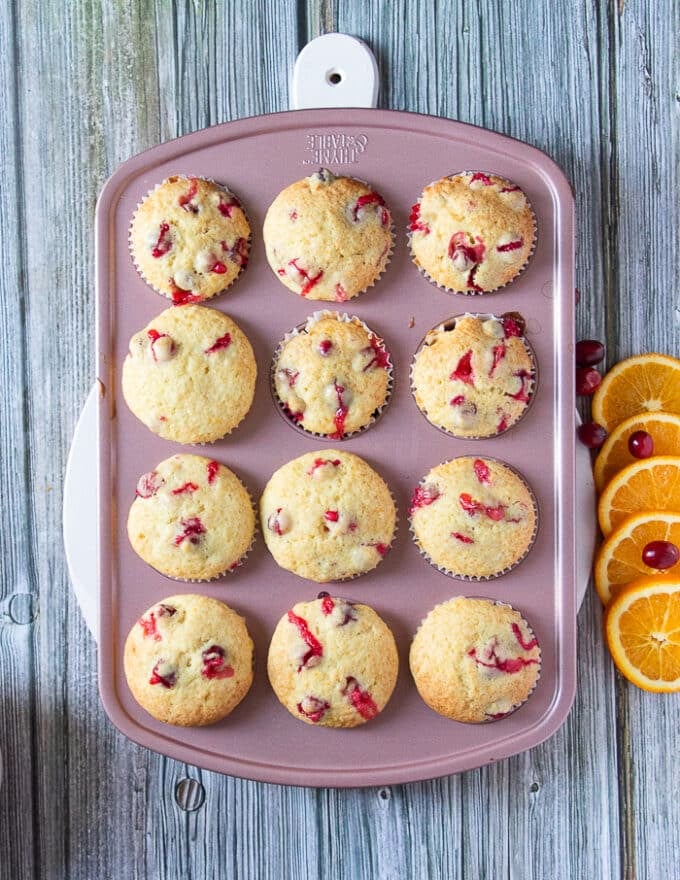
190	239
332	663
475	660
473	518
190	375
472	232
332	377
327	516
192	518
189	660
327	237
474	375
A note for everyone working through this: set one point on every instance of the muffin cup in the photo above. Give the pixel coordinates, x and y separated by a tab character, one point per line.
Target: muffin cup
490	577
449	290
302	328
450	322
388	256
140	271
233	568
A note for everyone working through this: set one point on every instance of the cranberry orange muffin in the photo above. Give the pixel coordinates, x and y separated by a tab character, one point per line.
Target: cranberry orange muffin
190	375
475	660
190	239
328	237
474	375
327	516
192	518
473	518
333	376
189	660
472	232
332	663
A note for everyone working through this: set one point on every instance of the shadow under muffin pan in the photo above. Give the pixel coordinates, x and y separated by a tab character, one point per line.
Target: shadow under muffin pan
258	158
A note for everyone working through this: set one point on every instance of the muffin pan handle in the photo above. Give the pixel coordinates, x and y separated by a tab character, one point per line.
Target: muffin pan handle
335	70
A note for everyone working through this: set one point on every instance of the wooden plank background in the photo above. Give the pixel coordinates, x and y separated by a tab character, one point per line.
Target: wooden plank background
88	84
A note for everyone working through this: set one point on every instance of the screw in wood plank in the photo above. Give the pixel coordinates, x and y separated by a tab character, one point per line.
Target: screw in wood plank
189	794
20	608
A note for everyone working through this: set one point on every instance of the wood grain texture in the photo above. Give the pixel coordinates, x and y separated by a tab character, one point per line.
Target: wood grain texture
93	82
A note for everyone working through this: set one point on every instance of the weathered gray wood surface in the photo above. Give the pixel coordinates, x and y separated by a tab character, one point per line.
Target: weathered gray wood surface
86	85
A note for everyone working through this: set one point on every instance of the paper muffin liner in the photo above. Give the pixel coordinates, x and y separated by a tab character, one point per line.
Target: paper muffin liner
302	328
528	347
450	290
358	574
532	635
468	578
388	256
233	568
140	271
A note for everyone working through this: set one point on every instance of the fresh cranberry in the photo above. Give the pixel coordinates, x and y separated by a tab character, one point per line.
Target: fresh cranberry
327	603
481	177
309	280
213	468
591	435
149	484
481	470
331	516
463	371
423	496
498	353
587	380
532	643
313	708
238	253
464	539
185	201
589	352
340	413
184	489
192	529
523	393
641	444
513	324
340	293
362	701
218	344
381	357
660	555
313	656
279	522
415	224
324	347
214	664
510	246
164	242
371	198
226	208
322	462
218	268
180	296
168	680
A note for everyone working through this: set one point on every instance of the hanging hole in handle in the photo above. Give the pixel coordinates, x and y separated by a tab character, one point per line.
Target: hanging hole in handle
334	77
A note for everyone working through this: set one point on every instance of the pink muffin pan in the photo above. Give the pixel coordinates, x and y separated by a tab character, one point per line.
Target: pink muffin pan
399	153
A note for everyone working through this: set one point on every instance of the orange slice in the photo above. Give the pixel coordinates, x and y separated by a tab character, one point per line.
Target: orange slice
645	383
642	628
663	428
619	559
647	484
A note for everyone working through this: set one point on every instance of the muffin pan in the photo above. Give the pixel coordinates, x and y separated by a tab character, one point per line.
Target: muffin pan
399	153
